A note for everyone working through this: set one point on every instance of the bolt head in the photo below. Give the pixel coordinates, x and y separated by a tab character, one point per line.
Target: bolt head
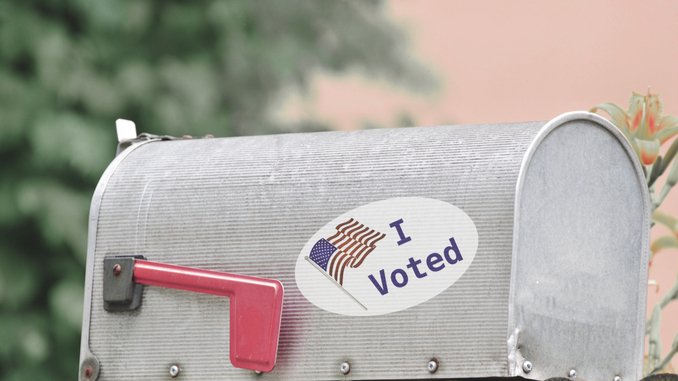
89	369
572	373
117	269
616	378
527	366
174	371
432	366
344	368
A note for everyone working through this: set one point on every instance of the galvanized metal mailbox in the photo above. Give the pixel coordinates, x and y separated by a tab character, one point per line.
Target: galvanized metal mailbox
415	253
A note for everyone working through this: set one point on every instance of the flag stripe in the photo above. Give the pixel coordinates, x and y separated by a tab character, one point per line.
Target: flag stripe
333	261
354	248
356	236
353	242
346	225
339	263
372	240
341	225
361	237
342	267
344	228
349	244
352	231
341	240
361	257
336	260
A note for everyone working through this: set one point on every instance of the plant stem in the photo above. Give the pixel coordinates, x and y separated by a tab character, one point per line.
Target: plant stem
667	359
664	219
671	295
654	339
662	195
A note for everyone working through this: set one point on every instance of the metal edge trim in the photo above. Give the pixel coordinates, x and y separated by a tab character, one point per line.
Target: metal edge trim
91	244
527	158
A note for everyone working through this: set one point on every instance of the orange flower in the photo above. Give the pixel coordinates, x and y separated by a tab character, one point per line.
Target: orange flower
643	124
648	150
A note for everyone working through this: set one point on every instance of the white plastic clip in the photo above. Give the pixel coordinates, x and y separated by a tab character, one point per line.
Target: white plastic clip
126	130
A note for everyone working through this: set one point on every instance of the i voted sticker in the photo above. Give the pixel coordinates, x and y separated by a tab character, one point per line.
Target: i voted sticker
386	256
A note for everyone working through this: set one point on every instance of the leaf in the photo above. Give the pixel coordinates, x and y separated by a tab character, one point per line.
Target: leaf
62	222
19	278
666	134
25	337
670	295
664	219
617	115
648	150
654	337
670	155
672	178
17	104
663	366
656	171
664	242
668	121
65	301
69	141
9	213
653	111
636	115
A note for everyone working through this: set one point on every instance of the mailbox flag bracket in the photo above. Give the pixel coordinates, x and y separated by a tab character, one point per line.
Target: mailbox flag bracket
255	303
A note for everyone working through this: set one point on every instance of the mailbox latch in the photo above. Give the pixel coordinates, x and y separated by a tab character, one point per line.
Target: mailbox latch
255	308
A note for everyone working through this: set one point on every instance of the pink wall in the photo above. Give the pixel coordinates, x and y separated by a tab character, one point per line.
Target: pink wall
501	61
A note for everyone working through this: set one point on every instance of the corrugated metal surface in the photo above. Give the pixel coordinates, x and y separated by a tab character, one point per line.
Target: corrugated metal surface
566	294
248	205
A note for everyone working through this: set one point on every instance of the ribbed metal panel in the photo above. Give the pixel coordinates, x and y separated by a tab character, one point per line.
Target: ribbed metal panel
248	205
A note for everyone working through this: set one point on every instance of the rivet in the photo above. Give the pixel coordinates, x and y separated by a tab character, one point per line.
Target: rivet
257	372
345	367
174	371
572	373
432	366
117	269
527	366
616	378
89	369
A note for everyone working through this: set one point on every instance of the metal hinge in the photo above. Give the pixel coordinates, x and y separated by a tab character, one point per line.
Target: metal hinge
127	135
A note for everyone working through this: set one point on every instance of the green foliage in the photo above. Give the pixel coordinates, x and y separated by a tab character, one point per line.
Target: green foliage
647	130
68	69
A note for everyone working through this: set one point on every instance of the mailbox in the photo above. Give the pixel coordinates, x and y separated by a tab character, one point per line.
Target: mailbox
511	250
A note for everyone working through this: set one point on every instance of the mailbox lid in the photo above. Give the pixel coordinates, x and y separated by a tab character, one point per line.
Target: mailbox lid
581	249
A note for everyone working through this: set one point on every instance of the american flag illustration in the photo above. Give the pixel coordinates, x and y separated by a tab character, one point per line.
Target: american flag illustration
348	247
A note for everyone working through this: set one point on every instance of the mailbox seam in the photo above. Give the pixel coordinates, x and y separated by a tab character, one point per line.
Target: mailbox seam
92	227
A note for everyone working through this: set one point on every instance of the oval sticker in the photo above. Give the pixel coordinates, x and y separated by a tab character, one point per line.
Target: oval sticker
386	256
